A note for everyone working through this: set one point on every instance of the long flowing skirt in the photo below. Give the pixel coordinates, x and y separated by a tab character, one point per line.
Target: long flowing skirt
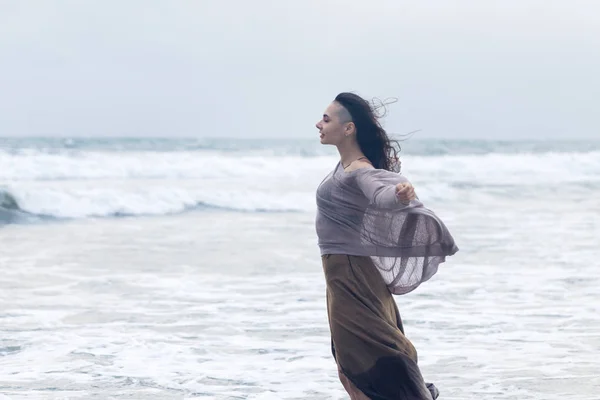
374	358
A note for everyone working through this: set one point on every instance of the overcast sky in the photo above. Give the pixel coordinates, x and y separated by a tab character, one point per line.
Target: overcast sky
217	68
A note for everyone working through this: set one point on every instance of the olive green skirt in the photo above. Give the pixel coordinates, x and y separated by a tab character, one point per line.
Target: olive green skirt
375	360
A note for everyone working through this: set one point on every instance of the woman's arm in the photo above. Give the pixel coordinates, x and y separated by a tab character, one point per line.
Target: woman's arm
382	194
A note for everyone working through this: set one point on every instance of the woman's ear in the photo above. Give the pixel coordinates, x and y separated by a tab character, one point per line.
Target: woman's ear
350	128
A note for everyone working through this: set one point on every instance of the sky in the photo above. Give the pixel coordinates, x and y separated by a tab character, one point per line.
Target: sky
459	69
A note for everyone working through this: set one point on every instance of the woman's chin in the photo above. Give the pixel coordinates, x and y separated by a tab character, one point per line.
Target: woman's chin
324	140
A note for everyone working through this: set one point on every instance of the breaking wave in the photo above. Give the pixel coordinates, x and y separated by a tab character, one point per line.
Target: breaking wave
40	184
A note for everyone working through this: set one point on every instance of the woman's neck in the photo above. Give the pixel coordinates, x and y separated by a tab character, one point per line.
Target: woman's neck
349	154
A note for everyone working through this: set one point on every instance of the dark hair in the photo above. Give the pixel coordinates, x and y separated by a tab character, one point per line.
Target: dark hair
373	140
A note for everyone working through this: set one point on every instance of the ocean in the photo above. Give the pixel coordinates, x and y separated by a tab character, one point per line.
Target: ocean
189	268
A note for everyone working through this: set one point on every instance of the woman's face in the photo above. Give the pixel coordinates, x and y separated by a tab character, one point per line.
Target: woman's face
335	124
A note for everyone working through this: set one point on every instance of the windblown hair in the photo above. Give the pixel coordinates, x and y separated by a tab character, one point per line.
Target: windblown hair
373	140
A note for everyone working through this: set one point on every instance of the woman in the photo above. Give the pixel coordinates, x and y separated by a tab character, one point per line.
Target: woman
376	239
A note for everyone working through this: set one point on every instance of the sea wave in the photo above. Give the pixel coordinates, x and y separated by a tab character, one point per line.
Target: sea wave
306	147
35	165
37	204
138	183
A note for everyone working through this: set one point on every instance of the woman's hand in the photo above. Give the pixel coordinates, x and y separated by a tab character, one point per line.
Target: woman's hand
405	193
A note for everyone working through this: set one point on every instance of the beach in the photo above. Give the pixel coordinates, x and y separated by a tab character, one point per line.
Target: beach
178	270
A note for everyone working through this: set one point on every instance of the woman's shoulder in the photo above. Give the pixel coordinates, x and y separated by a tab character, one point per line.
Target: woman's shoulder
369	174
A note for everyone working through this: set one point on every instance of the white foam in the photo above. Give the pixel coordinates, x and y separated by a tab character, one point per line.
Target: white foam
226	306
34	165
83	184
497	168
